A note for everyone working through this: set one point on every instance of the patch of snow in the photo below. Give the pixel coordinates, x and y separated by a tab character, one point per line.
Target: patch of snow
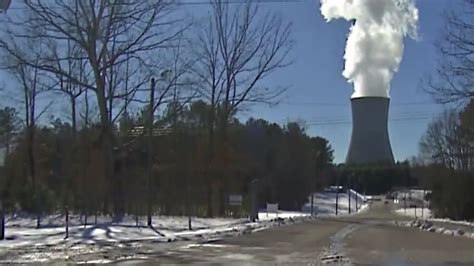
264	216
428	225
324	203
100	261
209	245
446	220
427	214
169	222
238	256
415	212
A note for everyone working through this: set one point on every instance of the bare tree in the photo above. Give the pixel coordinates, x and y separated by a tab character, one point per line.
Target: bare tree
445	143
9	127
454	78
108	34
236	49
74	65
31	82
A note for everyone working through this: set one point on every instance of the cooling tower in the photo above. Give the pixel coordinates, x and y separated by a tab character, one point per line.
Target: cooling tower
370	143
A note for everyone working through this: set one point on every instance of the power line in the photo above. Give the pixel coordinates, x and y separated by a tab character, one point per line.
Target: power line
394	120
347	104
347	117
188	3
240	2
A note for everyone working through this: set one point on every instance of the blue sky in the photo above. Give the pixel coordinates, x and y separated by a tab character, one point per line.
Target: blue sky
318	93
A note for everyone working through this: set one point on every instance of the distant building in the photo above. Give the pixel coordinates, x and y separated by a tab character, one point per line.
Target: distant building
370	143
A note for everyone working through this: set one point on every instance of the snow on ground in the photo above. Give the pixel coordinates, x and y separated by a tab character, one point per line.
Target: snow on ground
325	203
446	220
41	245
168	222
428	215
21	231
437	225
430	226
267	216
415	212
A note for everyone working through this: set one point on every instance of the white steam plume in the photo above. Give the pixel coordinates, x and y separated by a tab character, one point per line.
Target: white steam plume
374	48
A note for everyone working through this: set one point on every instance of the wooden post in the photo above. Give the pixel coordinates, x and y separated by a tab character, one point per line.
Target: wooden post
2	221
150	151
67	222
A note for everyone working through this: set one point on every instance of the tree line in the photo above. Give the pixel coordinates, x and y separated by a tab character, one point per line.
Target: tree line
284	160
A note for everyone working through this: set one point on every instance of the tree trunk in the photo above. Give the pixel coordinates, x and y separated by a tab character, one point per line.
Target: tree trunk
86	112
108	153
73	117
209	172
71	162
224	146
32	172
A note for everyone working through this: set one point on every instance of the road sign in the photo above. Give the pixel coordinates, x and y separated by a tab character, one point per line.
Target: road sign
235	200
272	207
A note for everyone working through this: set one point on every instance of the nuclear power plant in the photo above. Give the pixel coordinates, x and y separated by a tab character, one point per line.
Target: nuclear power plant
370	143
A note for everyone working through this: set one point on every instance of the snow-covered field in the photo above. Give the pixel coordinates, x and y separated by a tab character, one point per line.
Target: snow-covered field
21	231
325	203
26	244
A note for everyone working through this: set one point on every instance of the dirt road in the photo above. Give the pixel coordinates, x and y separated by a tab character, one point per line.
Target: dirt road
367	238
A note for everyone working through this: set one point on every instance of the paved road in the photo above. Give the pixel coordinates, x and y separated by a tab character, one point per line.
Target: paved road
369	238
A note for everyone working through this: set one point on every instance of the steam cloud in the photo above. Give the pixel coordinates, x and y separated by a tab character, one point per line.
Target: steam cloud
374	48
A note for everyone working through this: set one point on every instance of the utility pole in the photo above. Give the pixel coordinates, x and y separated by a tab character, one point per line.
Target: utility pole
405	202
313	183
254	203
188	202
150	152
2	220
349	194
423	203
337	193
357	201
67	222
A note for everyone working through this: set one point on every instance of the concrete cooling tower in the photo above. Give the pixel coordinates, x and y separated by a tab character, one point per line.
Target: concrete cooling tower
370	143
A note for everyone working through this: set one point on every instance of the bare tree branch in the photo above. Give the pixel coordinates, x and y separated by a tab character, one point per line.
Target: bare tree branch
454	78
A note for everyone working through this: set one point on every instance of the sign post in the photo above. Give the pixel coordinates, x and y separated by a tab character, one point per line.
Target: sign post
235	200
